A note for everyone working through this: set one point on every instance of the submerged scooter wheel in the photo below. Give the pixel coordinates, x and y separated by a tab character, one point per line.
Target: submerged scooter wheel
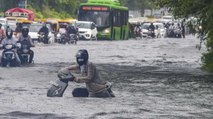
80	92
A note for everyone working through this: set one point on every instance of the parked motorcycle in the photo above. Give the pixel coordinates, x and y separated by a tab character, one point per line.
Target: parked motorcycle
8	56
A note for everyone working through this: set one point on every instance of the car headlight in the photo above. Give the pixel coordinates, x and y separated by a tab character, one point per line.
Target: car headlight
87	35
106	31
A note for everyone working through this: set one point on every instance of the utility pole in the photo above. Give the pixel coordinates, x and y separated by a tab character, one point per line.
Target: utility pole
22	4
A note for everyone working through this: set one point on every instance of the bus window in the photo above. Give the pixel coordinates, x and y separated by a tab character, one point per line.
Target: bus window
100	18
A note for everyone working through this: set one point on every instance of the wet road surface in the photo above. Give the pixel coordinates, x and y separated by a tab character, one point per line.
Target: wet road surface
152	79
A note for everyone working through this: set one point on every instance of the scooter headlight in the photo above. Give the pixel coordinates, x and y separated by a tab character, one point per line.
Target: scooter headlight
8	46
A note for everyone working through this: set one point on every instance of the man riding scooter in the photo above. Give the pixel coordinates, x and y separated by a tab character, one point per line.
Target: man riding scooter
138	30
25	39
151	30
72	30
44	32
9	46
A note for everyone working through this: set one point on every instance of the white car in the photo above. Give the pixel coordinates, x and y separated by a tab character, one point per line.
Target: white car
3	20
160	31
166	19
87	30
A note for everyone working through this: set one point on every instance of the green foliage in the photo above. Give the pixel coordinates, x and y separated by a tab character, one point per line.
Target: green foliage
138	4
203	11
46	8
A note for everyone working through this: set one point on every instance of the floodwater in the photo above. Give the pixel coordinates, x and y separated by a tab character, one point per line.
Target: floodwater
152	79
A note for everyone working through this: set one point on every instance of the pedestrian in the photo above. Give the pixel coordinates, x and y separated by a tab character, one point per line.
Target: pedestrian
183	25
2	33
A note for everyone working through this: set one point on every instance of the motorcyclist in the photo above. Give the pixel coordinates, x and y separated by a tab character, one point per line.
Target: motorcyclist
25	36
137	30
9	40
2	34
152	29
86	72
171	30
71	29
45	31
18	29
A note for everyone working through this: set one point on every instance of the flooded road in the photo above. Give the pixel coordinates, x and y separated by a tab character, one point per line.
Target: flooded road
152	79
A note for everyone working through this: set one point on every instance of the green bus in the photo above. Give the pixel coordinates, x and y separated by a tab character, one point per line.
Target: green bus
110	17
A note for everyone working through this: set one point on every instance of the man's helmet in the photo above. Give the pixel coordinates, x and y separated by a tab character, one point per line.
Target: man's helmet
9	33
82	57
25	32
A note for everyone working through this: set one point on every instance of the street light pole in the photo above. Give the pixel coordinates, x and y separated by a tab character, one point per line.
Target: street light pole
23	4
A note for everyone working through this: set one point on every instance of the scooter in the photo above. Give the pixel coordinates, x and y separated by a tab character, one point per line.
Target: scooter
58	87
151	33
8	56
43	38
24	49
72	39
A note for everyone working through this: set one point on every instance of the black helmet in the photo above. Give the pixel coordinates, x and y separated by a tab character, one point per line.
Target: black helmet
9	33
82	57
25	32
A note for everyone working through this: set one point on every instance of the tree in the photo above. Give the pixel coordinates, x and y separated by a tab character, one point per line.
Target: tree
138	4
203	11
46	8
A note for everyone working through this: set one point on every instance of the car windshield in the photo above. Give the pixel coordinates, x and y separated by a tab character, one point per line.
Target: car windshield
35	28
160	26
12	26
167	17
84	25
100	18
145	26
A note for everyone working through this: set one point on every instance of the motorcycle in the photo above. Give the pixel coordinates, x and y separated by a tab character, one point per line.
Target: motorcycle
43	38
8	56
72	39
138	33
58	87
62	38
151	33
24	49
58	38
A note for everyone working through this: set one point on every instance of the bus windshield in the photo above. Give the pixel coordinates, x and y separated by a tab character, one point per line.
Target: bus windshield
100	18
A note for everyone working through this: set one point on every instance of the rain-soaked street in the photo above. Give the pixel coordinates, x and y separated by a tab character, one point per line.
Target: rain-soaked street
152	79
